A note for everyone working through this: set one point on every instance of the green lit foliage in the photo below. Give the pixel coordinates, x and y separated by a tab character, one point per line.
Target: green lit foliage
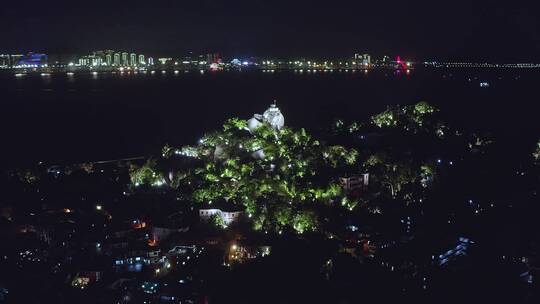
283	216
217	221
305	221
387	118
399	177
411	117
479	142
167	151
419	112
536	153
28	177
147	175
336	155
427	174
271	173
355	126
349	203
441	130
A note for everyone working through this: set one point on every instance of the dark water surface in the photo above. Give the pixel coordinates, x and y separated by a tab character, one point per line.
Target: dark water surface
61	118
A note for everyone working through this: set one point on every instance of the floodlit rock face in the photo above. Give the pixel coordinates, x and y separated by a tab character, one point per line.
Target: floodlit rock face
254	123
259	154
272	116
219	152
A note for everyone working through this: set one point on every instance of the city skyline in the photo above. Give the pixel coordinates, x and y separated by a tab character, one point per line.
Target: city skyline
483	31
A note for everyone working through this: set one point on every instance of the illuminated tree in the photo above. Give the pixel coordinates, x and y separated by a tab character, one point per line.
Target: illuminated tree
397	175
271	173
217	221
419	112
28	177
427	174
147	175
410	118
387	118
305	221
536	153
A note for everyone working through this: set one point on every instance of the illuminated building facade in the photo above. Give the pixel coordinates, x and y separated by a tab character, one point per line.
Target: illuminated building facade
354	182
5	61
31	59
213	58
362	59
227	217
125	59
108	59
133	59
116	61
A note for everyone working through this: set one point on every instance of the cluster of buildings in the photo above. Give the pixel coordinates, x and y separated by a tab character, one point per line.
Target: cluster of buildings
111	58
85	245
108	60
30	60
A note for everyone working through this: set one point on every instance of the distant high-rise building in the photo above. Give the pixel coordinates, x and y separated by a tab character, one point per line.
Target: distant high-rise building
366	59
141	60
108	59
133	59
362	59
5	61
15	59
84	61
125	59
213	58
96	61
150	61
116	60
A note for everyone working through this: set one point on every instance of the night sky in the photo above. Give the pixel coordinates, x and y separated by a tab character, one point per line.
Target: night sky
434	30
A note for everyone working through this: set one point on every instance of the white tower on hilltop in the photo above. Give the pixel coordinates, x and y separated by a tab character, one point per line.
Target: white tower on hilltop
271	116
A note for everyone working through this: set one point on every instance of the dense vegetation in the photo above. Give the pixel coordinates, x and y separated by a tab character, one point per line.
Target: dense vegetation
283	177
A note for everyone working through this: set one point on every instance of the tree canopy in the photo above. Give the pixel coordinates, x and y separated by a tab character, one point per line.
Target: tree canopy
272	174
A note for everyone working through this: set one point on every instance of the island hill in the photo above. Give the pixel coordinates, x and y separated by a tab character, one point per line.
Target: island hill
283	180
400	199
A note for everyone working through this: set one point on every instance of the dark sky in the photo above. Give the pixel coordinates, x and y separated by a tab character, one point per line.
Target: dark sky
428	30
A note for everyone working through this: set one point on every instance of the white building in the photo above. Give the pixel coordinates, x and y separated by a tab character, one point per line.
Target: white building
227	217
354	182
